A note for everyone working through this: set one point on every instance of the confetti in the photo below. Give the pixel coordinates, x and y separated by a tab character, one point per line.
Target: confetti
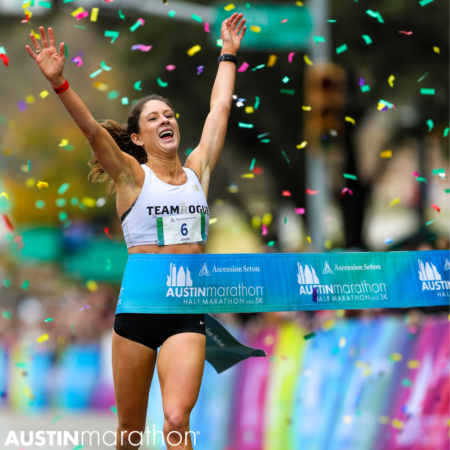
291	56
264	230
377	15
256	103
388	241
430	222
4	194
41	184
121	16
306	108
413	364
367	39
349	176
43	338
162	83
142	48
112	34
307	60
44	94
437	171
284	154
309	335
258	67
427	91
436	207
85	306
107	232
349	119
421	179
309	239
271	243
6	315
171	13
430	124
299	210
78	60
252	164
272	60
94	74
137	85
287	91
82	15
341	49
193	50
386	154
406	32
421	78
302	145
73	14
196	18
5	59
136	25
63	188
391	80
104	66
311	192
396	201
206	28
248	175
284	21
345	191
91	285
245	125
48	320
255	28
436	50
286	194
318	39
396	423
365	88
425	2
64	142
396	357
243	68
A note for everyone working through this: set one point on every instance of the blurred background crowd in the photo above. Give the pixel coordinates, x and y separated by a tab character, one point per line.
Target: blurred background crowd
306	114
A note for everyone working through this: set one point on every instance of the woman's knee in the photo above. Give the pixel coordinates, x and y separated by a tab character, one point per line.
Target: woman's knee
176	420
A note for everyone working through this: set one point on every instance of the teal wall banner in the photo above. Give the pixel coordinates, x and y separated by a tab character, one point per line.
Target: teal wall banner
217	283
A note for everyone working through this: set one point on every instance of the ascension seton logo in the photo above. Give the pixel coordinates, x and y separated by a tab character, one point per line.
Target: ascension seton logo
432	279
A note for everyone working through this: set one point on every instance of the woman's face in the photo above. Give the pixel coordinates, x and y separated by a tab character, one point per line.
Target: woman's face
158	128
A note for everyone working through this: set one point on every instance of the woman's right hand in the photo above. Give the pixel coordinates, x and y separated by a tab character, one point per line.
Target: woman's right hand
49	60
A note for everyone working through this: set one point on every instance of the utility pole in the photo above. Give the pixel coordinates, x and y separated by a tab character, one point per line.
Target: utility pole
316	173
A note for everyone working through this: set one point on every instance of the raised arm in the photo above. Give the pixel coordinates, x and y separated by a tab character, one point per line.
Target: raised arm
203	159
51	63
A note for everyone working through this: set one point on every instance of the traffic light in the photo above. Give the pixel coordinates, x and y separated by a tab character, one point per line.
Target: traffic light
325	94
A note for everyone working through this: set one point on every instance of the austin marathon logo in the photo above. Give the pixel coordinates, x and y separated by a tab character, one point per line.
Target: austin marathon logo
431	279
308	279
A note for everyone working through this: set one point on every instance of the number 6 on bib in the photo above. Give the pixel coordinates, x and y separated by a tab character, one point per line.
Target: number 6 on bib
181	229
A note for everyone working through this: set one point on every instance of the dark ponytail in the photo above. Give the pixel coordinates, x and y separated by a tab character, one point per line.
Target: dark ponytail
122	136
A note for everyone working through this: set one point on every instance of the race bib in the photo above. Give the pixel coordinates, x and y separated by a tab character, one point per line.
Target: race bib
182	229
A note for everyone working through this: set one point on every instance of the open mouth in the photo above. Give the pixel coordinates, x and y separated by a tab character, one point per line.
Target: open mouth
166	135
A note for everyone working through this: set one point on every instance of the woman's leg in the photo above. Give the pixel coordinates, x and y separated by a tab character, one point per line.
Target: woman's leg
133	368
181	362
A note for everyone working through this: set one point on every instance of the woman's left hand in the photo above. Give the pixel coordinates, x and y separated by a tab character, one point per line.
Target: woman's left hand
231	33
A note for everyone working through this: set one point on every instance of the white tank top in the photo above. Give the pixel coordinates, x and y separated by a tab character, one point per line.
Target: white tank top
158	199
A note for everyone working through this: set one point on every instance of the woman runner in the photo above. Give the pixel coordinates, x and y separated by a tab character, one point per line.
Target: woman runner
142	163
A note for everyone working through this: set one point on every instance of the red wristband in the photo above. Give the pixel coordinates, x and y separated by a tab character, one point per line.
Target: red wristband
62	88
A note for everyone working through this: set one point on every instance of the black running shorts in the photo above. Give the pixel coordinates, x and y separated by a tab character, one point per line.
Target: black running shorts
152	330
